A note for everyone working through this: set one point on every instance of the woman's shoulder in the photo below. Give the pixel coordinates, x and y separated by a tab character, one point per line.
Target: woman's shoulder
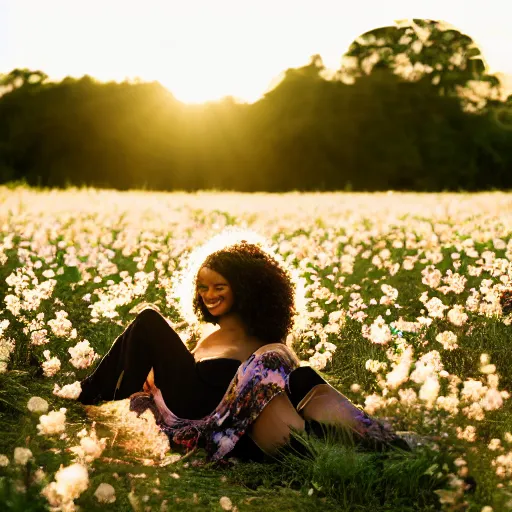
210	338
204	342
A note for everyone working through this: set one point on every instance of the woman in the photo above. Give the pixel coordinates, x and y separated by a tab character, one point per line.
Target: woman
241	391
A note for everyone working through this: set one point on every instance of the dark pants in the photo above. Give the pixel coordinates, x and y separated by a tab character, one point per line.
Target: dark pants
150	342
192	390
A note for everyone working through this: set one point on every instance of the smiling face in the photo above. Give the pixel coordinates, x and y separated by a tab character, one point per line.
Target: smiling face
215	292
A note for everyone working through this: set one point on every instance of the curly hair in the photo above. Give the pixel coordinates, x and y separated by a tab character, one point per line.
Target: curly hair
262	290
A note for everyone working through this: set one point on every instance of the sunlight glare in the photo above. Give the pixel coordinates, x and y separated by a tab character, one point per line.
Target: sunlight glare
203	51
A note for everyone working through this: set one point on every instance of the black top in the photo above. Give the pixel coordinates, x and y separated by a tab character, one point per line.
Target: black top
218	372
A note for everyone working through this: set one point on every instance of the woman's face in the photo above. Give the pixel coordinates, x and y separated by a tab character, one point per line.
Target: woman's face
215	291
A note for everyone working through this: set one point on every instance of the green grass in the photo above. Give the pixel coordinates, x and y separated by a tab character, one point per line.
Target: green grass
333	476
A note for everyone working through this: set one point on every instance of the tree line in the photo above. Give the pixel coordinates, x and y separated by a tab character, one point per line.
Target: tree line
401	113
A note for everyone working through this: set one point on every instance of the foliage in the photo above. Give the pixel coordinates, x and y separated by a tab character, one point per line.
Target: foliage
421	49
408	122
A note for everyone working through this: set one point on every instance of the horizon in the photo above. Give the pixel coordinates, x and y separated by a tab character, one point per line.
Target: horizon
202	52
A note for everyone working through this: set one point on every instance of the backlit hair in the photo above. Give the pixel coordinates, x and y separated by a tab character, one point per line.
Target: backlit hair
262	289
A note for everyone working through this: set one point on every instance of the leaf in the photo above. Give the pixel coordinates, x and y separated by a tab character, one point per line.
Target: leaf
431	469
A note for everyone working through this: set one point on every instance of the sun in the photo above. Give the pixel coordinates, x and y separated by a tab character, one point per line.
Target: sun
197	79
204	52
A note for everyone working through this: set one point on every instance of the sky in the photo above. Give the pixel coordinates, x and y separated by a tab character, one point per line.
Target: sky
206	49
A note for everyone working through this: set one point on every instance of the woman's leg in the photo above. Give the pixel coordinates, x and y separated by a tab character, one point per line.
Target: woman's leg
325	404
273	427
309	399
321	404
148	342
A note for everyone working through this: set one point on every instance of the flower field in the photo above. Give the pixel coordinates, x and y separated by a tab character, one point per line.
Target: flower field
404	304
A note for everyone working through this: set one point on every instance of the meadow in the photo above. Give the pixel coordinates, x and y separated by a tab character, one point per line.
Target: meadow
404	304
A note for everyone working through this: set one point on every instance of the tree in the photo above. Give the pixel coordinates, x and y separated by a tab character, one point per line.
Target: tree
22	77
420	50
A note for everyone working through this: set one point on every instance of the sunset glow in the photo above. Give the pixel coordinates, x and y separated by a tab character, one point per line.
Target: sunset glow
204	50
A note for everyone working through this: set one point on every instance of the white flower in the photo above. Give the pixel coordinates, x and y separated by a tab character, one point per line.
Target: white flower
431	276
82	355
71	391
455	282
22	455
375	366
400	372
3	326
429	390
52	423
373	402
448	403
494	444
378	332
319	360
39	476
424	321
474	412
37	404
468	434
51	366
448	339
485	359
417	46
105	493
13	304
408	397
435	308
325	346
225	503
146	437
4	461
488	369
90	447
390	292
6	348
492	400
60	325
39	337
427	365
225	444
457	316
70	482
503	465
473	390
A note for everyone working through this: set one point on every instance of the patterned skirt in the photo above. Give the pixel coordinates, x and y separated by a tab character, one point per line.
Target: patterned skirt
257	381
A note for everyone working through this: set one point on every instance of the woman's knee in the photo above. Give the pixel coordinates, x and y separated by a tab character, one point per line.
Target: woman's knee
151	318
149	315
151	326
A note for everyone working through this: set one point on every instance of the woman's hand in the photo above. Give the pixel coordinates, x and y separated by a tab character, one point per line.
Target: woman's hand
150	382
